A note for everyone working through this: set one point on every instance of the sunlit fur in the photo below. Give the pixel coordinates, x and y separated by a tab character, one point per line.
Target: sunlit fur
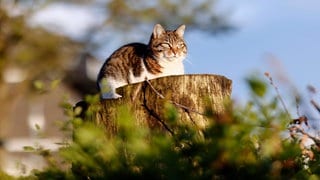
132	63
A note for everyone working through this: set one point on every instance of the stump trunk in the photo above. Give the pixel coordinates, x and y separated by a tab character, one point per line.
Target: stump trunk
191	96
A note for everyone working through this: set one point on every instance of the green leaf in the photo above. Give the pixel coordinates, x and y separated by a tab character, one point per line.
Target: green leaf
28	148
257	86
171	113
38	85
37	127
55	83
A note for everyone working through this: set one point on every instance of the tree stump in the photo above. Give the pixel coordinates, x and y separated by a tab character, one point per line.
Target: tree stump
149	101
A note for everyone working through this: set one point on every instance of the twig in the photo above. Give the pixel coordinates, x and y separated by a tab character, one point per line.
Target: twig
297	105
313	91
172	102
315	105
278	94
158	93
155	115
186	108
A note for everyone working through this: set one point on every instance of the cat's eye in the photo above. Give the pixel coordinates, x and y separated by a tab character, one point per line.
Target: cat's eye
159	49
180	45
165	45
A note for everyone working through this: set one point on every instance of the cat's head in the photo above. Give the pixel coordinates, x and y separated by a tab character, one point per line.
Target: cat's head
168	45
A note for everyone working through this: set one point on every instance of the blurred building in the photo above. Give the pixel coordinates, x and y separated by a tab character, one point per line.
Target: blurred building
35	119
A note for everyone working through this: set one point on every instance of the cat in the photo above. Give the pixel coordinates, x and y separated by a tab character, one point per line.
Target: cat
136	62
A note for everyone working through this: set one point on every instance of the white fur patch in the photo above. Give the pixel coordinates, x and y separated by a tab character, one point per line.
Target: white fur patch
108	86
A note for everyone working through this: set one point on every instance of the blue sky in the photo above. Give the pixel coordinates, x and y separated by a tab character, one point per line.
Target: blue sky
286	30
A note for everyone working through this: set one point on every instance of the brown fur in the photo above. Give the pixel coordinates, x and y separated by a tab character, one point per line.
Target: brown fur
128	58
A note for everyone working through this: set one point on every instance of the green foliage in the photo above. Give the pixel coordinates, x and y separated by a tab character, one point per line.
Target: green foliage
41	57
247	142
257	86
124	15
5	176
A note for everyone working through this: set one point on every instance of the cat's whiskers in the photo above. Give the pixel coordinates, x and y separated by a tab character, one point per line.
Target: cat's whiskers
187	60
131	63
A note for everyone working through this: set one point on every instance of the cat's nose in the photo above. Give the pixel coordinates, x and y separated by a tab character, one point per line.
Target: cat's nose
174	51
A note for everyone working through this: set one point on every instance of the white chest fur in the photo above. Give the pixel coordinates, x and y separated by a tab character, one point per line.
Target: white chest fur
168	69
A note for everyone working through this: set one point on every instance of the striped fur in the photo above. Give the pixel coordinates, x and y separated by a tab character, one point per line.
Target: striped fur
132	63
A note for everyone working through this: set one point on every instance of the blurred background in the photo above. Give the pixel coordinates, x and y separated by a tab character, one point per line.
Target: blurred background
51	52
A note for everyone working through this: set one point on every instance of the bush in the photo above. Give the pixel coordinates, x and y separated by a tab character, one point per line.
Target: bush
249	141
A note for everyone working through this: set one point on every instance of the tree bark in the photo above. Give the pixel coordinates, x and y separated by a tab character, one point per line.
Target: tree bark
191	96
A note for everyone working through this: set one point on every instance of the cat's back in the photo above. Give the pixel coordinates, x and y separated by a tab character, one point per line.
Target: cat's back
135	62
126	58
128	51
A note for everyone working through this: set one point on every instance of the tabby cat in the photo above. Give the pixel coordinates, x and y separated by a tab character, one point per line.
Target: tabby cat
135	62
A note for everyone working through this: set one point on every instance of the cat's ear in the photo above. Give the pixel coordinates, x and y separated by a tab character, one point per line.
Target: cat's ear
158	31
180	30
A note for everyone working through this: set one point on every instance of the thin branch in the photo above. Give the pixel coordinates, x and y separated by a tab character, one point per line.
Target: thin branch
313	91
157	92
155	115
172	102
297	98
315	105
186	108
278	94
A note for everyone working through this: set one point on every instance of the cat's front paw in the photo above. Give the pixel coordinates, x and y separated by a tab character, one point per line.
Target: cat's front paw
116	96
111	96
